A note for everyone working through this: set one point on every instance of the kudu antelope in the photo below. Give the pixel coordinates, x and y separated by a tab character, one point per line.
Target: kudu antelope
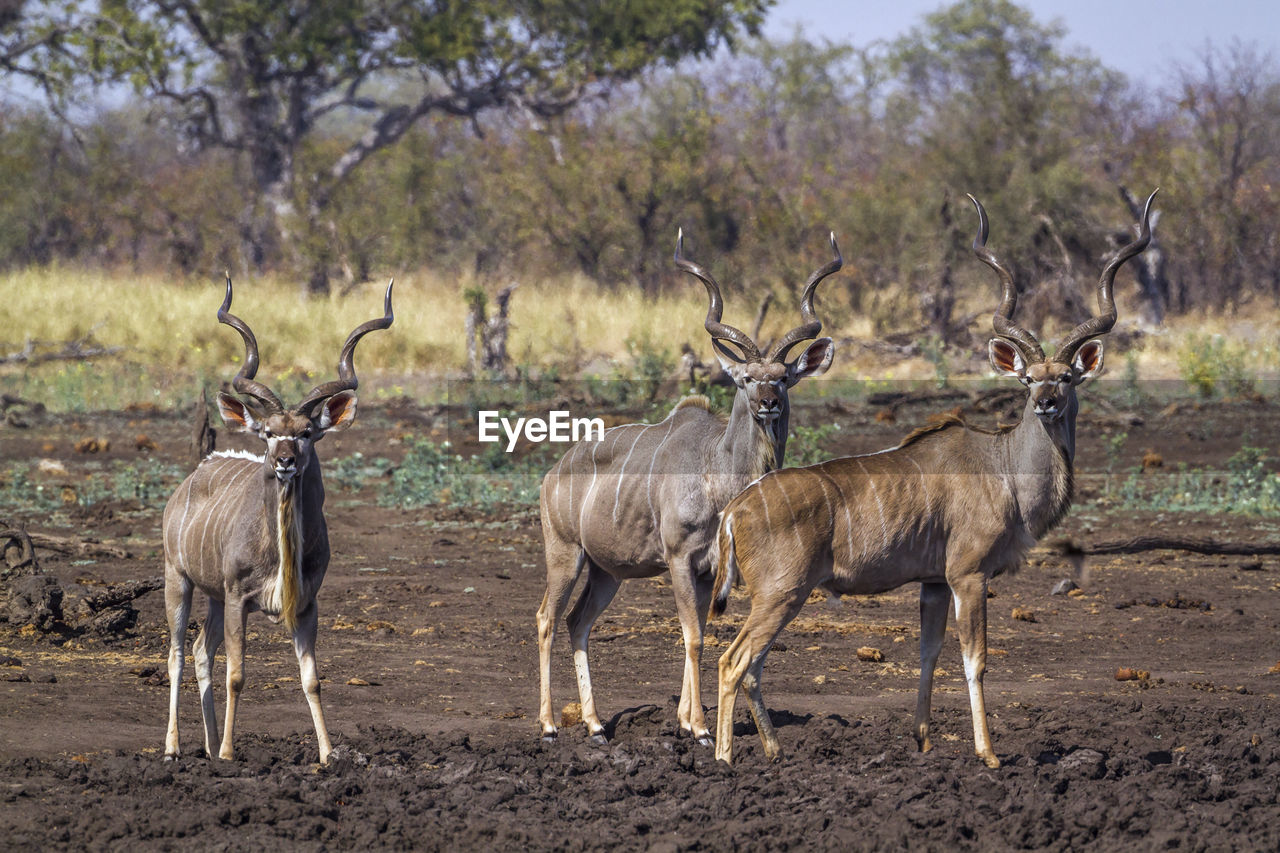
950	507
645	498
249	532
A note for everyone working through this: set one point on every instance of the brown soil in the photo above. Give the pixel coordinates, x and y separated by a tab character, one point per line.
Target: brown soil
429	654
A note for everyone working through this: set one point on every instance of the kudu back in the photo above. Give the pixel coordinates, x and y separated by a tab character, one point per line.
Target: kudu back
644	500
249	532
950	508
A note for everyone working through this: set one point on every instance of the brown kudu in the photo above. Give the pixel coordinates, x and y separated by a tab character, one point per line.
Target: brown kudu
249	532
645	498
950	507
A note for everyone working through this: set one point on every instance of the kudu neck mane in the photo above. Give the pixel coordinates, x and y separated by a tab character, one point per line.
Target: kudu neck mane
289	514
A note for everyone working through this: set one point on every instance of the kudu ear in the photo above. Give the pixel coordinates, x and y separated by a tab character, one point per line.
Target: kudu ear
814	361
337	413
1088	360
236	415
1006	359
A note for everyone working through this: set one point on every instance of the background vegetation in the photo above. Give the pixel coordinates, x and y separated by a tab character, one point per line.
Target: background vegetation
128	189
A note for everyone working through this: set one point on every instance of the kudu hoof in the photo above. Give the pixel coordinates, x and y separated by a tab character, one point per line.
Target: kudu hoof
705	740
168	756
550	737
599	739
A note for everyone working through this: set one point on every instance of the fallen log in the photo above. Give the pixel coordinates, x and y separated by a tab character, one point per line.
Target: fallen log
18	549
80	349
116	596
78	547
1138	544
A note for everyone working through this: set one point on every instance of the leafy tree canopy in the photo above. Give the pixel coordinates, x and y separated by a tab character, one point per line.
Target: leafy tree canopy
260	77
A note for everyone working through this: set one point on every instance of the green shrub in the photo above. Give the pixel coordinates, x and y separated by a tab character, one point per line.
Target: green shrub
1210	365
804	447
431	474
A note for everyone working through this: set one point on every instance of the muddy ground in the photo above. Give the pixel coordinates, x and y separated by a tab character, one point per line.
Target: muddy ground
428	653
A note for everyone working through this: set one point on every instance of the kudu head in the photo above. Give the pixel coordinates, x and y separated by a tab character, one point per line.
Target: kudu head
762	380
290	434
1016	352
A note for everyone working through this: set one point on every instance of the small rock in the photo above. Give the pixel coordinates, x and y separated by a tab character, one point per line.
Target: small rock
360	682
1088	762
1125	673
870	654
1024	615
1064	586
10	660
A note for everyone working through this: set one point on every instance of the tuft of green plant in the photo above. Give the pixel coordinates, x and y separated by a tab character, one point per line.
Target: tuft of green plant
150	482
804	447
1210	365
651	365
1250	485
352	473
934	350
18	491
431	474
1132	393
1115	444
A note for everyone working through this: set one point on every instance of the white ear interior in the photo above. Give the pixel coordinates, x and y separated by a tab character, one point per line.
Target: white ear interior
1006	359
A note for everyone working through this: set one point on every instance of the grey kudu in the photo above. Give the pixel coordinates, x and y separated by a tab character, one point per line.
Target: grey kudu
249	532
645	498
950	507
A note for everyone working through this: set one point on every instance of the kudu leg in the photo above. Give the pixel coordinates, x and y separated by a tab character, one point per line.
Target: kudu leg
935	602
743	664
234	633
564	564
206	647
177	607
693	599
971	622
600	589
304	645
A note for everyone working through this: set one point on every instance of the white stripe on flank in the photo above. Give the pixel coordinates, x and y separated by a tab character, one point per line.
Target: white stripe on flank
617	493
795	528
649	482
586	498
180	553
875	493
848	518
822	481
764	503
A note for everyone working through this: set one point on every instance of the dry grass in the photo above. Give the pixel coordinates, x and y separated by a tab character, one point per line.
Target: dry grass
173	343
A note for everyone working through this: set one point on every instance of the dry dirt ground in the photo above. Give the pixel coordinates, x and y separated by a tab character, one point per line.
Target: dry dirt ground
428	652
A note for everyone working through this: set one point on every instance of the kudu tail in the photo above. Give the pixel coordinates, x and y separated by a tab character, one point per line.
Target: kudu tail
726	565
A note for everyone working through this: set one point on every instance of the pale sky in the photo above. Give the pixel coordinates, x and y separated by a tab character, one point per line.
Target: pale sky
1142	38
